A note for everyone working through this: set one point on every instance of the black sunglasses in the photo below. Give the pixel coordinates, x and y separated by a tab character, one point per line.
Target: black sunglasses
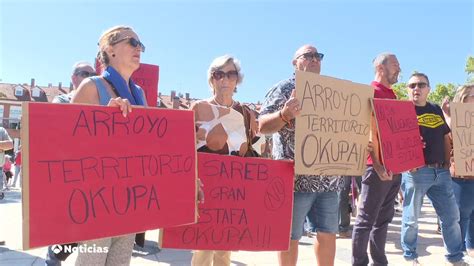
85	74
311	56
420	85
231	75
133	42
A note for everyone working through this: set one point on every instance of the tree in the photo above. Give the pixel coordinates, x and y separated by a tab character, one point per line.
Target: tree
470	69
400	90
442	90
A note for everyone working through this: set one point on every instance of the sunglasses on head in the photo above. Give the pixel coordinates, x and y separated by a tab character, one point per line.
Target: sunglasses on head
311	56
420	85
231	75
85	74
133	42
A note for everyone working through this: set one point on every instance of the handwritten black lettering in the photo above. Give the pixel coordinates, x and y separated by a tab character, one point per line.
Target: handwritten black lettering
228	193
126	167
97	122
259	236
223	216
318	123
327	98
274	194
327	151
237	170
142	197
464	119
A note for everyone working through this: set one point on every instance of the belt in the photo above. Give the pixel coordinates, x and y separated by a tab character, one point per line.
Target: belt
464	177
437	165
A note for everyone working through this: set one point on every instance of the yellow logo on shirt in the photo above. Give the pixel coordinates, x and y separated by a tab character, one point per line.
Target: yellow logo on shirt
430	120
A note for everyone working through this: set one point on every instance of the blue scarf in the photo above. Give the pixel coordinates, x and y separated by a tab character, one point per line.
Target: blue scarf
111	75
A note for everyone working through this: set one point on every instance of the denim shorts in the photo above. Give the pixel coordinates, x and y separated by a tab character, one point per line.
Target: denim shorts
321	209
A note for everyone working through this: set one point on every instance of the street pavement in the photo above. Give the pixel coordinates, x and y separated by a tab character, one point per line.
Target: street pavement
430	244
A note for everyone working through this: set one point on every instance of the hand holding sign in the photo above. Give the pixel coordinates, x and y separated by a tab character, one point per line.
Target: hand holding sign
291	108
123	104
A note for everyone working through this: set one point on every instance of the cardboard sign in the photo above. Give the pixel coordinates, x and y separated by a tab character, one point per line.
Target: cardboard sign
248	203
462	126
90	173
399	133
147	77
332	130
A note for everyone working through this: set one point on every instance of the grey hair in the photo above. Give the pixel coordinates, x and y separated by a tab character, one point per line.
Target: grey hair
381	59
79	65
219	63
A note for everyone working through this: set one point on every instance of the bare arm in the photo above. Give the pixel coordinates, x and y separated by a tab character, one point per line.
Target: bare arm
86	93
446	111
271	123
6	145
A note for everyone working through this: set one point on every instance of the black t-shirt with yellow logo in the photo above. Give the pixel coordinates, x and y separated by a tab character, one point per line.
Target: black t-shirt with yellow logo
433	127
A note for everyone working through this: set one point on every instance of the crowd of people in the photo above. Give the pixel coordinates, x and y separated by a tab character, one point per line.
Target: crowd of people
314	196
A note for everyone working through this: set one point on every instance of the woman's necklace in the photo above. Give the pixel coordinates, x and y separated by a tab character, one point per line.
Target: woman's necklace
221	105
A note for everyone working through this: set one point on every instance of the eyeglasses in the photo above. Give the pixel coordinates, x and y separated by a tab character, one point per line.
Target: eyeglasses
231	75
133	42
420	85
311	56
85	74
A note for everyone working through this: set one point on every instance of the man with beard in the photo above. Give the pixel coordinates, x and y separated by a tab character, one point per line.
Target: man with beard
379	187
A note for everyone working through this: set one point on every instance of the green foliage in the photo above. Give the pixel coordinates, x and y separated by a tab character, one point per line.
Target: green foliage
470	69
400	90
440	91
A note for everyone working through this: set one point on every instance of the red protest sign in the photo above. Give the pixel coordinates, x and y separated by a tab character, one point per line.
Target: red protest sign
91	173
399	134
248	203
147	76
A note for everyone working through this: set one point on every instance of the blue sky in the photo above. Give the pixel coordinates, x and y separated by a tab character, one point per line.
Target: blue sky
42	39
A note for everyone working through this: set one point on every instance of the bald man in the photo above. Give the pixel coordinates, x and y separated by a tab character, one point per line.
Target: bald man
314	196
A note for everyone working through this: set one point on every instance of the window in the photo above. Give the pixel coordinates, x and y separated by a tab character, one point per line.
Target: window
36	92
19	91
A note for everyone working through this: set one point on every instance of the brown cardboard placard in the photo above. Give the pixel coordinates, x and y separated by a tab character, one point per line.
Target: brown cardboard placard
462	127
332	130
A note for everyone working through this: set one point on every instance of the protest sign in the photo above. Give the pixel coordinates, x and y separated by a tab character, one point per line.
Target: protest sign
147	76
89	172
399	134
332	130
248	203
462	126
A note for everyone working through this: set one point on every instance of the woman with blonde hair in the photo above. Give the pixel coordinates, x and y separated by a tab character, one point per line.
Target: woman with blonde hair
463	186
119	52
223	126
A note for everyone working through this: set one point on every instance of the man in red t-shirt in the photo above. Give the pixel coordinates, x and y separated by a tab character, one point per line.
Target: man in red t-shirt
379	187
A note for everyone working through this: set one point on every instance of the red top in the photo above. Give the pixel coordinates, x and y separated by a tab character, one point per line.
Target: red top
7	166
18	158
382	92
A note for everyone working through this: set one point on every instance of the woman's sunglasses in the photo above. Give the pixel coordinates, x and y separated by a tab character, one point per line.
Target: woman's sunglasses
133	42
231	75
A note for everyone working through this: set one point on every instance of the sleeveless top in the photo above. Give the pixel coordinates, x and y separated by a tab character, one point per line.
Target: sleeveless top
104	96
